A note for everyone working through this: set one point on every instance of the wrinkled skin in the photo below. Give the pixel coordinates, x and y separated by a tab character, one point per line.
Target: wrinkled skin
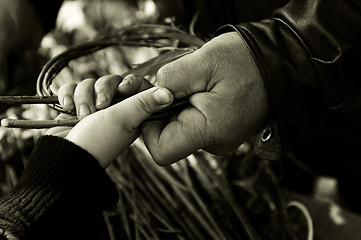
228	98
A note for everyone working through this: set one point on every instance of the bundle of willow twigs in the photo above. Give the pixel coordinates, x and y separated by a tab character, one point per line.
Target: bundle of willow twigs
197	198
165	39
161	37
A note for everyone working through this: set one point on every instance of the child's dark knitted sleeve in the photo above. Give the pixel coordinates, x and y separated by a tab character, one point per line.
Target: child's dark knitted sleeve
62	188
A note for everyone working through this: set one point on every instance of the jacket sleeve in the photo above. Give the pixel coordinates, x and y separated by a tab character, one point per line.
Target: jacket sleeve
63	188
309	55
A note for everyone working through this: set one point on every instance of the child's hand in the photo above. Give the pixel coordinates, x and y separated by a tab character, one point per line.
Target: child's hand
106	133
91	95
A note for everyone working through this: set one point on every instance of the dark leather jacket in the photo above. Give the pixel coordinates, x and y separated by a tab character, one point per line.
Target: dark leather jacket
309	54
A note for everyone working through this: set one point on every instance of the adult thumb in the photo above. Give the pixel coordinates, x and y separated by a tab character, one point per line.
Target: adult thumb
186	75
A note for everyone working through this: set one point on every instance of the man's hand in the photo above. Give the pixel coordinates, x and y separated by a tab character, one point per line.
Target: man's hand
228	98
91	95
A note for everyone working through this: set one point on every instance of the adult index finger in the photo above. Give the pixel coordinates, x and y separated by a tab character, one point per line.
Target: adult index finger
170	142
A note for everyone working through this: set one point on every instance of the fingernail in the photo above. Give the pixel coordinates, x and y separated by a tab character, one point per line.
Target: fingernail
101	98
83	111
162	96
126	82
123	87
68	101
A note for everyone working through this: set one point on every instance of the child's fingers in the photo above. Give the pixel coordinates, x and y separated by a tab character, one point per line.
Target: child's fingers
90	95
84	98
66	96
105	89
108	86
106	133
133	84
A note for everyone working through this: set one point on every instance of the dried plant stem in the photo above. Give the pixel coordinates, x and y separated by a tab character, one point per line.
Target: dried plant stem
141	152
108	223
169	203
139	206
29	99
226	194
38	124
32	124
203	216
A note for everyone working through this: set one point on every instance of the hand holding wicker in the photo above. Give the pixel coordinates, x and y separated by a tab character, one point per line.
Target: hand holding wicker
107	132
228	98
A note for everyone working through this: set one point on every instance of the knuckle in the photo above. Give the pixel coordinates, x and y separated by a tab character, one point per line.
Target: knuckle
163	74
131	76
66	89
143	106
101	87
160	158
197	130
84	88
107	83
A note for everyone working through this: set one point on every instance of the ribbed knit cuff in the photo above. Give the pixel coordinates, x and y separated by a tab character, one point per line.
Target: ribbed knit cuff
62	186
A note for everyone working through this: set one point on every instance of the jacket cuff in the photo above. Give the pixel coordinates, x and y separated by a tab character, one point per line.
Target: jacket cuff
61	187
288	75
268	144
